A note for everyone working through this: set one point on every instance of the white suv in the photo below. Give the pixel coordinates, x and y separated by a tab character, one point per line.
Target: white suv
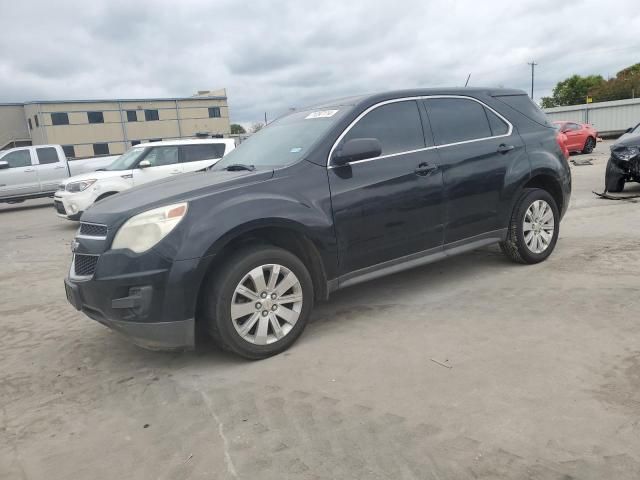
140	164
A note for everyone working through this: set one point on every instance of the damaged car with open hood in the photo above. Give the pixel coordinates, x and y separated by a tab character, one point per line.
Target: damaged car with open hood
624	163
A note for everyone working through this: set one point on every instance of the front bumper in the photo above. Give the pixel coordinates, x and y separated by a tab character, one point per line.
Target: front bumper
149	299
71	205
628	167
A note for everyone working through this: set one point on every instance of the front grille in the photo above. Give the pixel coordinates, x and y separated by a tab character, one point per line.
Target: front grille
85	265
93	230
634	167
59	207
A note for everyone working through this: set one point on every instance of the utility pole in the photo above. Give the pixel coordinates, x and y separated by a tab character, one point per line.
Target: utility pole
533	67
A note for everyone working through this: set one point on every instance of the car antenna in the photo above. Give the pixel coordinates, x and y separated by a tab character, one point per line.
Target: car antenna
467	82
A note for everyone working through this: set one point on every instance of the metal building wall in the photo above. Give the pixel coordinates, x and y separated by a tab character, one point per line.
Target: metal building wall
609	118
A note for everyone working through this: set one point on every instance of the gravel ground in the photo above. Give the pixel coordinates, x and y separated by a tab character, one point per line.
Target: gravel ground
544	380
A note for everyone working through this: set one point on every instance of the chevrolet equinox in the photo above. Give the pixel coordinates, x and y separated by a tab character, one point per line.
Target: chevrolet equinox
321	199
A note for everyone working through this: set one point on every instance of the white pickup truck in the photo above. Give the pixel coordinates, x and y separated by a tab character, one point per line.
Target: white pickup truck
34	172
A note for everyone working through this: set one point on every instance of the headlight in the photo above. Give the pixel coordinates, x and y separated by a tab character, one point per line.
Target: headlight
146	229
626	153
80	186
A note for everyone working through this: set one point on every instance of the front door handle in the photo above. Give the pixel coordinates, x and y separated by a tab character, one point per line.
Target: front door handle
503	148
30	170
175	172
424	169
58	167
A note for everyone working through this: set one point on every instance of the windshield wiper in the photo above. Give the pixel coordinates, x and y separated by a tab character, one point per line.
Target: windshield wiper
236	167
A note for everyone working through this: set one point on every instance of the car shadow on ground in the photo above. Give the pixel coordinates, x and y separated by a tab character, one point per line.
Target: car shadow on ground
415	283
17	207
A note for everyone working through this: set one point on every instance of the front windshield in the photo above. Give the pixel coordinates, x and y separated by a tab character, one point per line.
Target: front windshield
127	160
286	140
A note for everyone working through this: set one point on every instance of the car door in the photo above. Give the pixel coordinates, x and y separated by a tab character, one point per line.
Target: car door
21	177
477	146
201	155
50	167
574	135
163	163
389	206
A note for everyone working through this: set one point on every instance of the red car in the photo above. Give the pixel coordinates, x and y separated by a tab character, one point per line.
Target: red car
581	137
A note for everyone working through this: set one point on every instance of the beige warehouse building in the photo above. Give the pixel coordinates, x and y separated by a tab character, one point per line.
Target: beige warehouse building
87	128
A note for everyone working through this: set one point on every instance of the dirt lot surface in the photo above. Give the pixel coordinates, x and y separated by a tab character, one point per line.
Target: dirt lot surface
544	380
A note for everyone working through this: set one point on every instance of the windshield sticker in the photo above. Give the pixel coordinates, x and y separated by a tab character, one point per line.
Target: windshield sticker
321	114
295	150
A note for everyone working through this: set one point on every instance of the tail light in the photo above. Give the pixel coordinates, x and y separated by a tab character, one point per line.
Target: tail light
562	145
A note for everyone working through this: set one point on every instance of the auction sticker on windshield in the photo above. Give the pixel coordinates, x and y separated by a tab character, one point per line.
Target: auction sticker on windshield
321	114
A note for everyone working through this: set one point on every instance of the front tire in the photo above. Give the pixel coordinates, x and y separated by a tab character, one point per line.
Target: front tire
613	180
259	302
533	229
589	145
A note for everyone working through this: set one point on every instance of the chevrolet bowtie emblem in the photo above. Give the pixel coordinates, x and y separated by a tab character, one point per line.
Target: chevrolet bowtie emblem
74	246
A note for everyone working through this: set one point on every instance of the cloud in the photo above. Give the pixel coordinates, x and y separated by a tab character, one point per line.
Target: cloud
277	54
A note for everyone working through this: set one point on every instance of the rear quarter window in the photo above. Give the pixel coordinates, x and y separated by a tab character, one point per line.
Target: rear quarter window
456	120
524	105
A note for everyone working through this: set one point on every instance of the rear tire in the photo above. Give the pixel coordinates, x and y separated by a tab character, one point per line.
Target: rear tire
533	229
589	145
613	179
252	314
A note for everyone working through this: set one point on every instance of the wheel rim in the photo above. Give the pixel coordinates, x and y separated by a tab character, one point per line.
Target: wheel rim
590	144
538	226
266	304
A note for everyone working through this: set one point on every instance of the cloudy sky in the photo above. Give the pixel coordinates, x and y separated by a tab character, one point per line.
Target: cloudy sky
276	54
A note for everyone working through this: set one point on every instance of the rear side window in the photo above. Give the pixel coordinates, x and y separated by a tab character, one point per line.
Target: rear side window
193	153
498	127
21	158
524	105
69	151
47	155
396	125
457	120
161	156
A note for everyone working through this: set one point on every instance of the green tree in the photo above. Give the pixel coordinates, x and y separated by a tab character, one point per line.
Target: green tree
256	127
237	129
626	84
572	91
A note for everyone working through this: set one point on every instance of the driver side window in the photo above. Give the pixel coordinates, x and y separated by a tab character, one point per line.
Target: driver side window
161	156
21	158
397	126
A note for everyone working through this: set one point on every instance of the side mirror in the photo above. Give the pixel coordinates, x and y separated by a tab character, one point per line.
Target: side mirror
357	149
144	164
628	130
3	164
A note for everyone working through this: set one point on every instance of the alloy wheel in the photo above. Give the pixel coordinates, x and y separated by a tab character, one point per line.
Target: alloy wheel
538	226
266	304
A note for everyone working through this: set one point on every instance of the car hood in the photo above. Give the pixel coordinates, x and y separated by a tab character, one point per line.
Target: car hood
97	175
627	140
114	210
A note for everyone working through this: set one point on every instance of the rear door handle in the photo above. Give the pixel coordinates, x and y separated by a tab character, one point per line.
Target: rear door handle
30	170
505	148
175	172
58	167
424	169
